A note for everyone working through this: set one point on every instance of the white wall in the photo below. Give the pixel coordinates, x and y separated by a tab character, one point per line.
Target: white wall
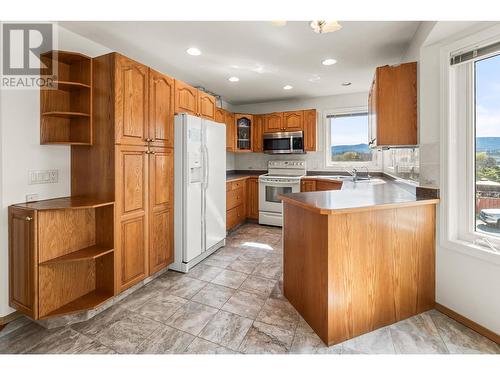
21	151
315	160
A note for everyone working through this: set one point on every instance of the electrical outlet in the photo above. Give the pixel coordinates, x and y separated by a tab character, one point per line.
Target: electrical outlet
46	176
31	197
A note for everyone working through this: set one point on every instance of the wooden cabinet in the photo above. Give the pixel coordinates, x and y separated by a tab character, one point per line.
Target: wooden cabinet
161	196
258	133
220	115
206	105
293	121
61	256
131	101
230	132
132	215
186	98
244	132
161	109
273	122
319	184
253	198
235	203
392	106
310	126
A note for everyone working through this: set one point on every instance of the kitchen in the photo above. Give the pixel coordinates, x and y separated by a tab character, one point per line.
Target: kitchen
248	211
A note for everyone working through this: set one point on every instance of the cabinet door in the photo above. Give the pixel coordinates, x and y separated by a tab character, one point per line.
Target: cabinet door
161	109
230	132
258	133
293	121
23	260
131	197
310	127
206	105
253	198
186	98
324	185
273	122
131	101
161	183
220	115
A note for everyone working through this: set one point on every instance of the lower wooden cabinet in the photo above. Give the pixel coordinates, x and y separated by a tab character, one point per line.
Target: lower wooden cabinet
253	197
242	200
319	184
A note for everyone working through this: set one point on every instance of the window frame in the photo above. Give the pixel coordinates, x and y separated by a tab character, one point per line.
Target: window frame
373	166
457	209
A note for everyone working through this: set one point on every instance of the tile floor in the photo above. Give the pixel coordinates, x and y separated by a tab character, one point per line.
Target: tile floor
230	303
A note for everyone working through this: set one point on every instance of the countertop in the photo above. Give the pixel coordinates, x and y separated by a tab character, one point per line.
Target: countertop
378	193
240	175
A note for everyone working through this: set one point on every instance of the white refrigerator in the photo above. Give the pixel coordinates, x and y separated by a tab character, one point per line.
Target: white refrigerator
199	189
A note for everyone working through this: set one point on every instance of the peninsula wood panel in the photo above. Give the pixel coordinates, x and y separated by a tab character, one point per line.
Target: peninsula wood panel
161	109
131	80
23	261
186	98
366	269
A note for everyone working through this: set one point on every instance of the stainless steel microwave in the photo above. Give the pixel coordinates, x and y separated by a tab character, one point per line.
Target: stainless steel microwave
284	143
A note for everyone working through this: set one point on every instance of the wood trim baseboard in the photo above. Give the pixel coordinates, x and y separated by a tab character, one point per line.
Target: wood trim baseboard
9	318
469	323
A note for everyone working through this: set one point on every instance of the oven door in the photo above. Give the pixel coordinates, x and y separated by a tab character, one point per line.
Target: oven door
277	143
269	193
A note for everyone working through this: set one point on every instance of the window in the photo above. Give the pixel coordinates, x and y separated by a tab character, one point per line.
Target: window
403	163
347	140
487	145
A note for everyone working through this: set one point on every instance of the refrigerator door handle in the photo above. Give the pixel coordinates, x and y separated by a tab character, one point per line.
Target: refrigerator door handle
205	166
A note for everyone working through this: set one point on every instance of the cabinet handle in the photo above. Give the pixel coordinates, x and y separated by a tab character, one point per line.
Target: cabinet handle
147	152
28	218
149	140
152	152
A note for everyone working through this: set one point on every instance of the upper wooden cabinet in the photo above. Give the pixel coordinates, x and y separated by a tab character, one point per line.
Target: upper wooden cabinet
220	115
206	105
293	121
161	109
230	132
131	101
258	133
186	98
244	131
273	122
310	126
392	106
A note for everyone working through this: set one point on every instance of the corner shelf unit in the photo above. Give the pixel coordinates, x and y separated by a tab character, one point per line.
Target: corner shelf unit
66	99
61	255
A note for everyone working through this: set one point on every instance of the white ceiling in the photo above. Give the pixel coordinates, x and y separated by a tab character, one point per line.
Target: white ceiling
265	57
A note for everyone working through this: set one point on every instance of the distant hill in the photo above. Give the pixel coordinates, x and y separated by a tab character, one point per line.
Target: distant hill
487	144
360	148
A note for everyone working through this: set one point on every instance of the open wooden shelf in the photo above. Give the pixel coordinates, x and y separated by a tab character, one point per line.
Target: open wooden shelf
88	253
86	302
66	101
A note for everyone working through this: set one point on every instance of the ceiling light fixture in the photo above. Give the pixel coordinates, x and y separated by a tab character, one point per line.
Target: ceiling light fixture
323	27
279	23
233	79
193	51
287	87
346	83
329	62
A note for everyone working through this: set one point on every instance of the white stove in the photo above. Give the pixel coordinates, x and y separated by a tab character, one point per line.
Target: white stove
283	177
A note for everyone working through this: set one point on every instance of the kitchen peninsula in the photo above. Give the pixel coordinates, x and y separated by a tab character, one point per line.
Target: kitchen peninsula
359	258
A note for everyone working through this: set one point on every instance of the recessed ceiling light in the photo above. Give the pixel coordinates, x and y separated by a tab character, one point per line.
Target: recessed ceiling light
287	87
193	51
328	62
233	79
346	83
278	23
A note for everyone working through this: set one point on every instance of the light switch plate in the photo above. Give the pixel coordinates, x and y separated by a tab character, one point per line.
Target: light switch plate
46	176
